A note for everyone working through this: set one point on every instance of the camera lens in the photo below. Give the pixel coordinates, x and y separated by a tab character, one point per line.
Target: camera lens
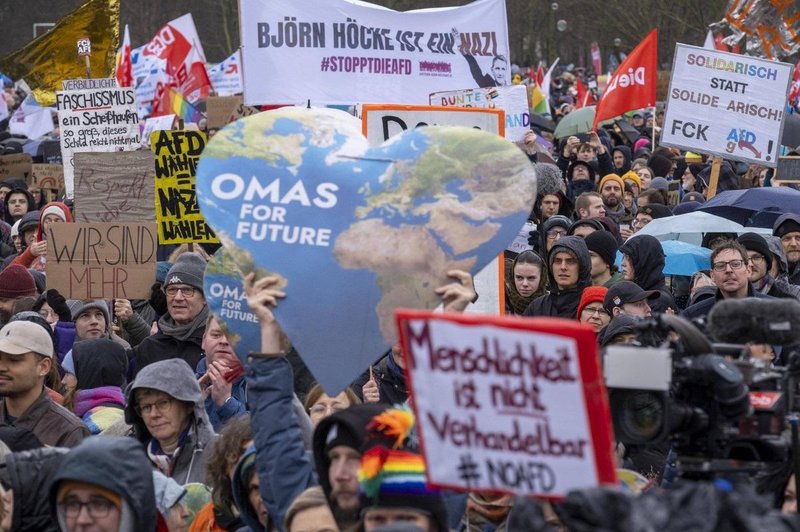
641	416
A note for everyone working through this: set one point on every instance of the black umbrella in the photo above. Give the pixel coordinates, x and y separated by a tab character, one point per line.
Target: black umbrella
628	130
542	122
754	207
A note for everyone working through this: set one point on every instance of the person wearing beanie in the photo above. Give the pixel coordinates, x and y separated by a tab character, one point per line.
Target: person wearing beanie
727	180
661	165
180	330
694	196
659	183
590	307
35	256
611	188
585	227
391	476
620	330
15	282
647	214
550	194
603	251
643	262
569	273
104	484
787	228
632	179
760	259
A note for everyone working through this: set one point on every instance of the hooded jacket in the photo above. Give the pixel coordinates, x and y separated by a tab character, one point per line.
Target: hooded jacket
100	367
175	378
792	269
26	258
31	204
577	187
117	464
648	260
564	303
29	474
626	166
782	279
244	468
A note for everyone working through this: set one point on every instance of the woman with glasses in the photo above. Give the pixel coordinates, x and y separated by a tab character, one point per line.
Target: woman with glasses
590	308
167	411
320	405
104	484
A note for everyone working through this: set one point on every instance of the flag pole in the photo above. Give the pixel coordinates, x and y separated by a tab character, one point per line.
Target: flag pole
653	132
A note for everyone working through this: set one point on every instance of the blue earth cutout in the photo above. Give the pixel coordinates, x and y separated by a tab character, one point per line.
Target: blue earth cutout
357	232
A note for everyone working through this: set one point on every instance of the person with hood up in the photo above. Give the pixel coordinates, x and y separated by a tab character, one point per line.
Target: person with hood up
104	483
168	414
728	180
526	280
100	367
581	178
26	477
780	266
643	262
787	228
621	157
35	256
760	255
170	498
27	229
246	488
543	239
570	272
18	202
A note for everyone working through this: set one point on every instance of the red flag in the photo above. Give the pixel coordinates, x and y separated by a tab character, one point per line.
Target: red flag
540	75
633	84
583	96
124	73
794	88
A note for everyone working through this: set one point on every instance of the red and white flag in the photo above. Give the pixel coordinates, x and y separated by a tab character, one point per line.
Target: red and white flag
124	72
633	85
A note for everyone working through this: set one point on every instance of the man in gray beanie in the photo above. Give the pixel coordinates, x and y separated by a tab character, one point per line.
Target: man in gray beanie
180	330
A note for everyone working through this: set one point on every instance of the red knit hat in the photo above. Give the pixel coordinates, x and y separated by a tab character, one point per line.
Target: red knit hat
591	294
16	281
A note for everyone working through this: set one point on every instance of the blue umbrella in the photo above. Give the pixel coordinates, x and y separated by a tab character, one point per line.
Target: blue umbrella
754	207
682	258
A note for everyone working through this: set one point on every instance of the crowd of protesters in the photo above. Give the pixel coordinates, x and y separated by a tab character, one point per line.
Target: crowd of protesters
139	415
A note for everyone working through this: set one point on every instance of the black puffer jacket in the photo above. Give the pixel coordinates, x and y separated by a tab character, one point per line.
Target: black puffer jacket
29	474
648	260
564	303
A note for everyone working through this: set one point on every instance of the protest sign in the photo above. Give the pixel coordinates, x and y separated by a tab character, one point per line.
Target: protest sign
16	165
156	123
220	108
513	100
226	77
177	213
95	120
102	260
367	53
114	187
381	122
301	193
241	110
48	177
726	104
226	298
506	404
788	170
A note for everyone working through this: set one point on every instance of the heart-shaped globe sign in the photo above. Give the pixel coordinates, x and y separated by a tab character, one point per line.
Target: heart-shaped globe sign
357	232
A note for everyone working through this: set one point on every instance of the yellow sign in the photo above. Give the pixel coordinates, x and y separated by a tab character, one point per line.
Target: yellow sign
177	211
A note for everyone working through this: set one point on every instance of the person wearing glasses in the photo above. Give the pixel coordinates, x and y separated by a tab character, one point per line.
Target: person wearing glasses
180	330
730	271
167	410
590	308
761	259
104	484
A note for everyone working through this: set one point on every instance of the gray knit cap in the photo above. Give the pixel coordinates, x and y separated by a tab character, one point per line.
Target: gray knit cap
188	269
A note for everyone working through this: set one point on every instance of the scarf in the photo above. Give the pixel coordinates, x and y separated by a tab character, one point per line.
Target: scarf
85	400
182	332
163	460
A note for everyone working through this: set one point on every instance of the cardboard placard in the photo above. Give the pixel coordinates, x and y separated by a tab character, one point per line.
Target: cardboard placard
508	405
728	105
16	165
177	212
47	176
102	260
241	111
220	108
114	187
788	170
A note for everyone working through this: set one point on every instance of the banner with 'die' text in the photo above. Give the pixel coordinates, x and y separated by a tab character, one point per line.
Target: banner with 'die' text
341	52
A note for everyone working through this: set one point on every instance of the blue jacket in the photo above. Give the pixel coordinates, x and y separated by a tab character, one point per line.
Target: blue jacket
284	468
237	404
